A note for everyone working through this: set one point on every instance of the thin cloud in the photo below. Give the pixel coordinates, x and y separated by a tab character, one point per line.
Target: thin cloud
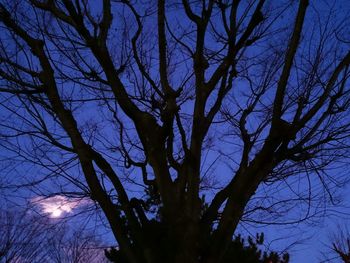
58	205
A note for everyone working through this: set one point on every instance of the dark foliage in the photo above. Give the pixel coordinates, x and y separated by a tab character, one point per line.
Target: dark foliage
239	250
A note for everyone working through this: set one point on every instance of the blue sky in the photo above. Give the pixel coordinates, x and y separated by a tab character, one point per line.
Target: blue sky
96	122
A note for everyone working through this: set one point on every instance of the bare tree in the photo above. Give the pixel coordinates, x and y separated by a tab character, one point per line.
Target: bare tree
21	237
28	237
109	99
76	246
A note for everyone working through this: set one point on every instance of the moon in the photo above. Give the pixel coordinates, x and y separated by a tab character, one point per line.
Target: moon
56	213
58	205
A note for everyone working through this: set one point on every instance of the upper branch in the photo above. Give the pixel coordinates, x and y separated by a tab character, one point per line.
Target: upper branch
162	49
292	48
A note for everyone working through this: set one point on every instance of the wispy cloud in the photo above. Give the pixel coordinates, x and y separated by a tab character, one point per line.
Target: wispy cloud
58	205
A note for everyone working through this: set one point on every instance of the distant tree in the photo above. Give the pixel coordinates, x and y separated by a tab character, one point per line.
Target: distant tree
134	103
29	238
69	245
22	238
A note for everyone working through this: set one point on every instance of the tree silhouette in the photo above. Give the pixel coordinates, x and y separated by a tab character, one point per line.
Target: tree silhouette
107	99
338	249
27	237
238	251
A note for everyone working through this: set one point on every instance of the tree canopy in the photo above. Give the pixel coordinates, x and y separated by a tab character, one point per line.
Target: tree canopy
180	119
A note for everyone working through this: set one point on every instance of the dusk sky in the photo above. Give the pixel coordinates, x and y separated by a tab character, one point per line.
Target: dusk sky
116	116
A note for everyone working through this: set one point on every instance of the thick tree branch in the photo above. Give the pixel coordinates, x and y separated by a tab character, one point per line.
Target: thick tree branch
292	49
